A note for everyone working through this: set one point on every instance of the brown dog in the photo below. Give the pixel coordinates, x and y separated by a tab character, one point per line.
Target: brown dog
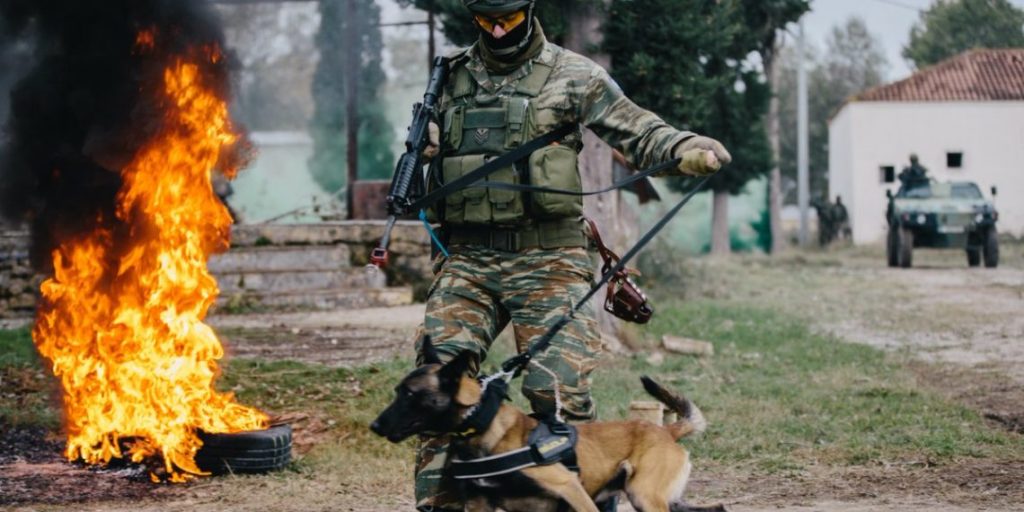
637	457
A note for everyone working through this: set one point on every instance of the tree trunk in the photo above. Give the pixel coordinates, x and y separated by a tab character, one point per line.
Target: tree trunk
775	185
720	224
615	219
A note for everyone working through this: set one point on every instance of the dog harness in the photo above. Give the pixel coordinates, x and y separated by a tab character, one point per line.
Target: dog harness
551	442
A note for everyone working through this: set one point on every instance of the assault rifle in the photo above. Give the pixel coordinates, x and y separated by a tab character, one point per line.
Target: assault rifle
408	181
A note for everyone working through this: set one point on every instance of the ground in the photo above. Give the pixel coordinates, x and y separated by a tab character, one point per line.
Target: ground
837	384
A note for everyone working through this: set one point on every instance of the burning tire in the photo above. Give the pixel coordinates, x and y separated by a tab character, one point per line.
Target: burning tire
246	452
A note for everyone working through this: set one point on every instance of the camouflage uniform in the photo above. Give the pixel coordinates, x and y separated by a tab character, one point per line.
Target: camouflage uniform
480	289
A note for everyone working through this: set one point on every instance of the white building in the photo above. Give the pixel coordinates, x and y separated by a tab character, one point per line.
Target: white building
963	117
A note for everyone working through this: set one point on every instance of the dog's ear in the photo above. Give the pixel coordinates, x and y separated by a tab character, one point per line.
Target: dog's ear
456	368
428	352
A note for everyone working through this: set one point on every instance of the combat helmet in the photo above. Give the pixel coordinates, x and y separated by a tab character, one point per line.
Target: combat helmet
496	6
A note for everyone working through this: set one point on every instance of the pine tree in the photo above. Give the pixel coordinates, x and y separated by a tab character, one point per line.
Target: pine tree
329	130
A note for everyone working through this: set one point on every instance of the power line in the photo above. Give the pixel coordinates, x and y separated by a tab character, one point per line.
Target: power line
900	4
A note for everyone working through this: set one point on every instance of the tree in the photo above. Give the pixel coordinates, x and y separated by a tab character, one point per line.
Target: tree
950	27
330	95
853	62
716	89
765	18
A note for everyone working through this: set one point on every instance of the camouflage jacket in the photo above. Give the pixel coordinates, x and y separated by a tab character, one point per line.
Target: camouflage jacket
580	92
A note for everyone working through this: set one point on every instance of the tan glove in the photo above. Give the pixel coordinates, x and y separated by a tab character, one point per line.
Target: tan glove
701	156
434	147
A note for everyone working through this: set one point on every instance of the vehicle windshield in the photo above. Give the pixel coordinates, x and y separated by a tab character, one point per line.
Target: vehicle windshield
941	191
966	191
916	191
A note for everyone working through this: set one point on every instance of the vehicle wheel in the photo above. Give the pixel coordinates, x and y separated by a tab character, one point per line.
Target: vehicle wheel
974	257
991	248
891	247
246	452
906	248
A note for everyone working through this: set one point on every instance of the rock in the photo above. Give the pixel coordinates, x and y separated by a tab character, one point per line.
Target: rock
687	346
650	411
656	358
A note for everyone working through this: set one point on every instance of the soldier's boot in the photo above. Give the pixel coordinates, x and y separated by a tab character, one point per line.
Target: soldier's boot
432	493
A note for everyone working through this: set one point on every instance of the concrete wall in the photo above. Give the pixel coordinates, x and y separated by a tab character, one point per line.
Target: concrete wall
866	136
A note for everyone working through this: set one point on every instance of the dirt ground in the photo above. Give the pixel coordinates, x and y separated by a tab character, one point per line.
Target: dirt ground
963	330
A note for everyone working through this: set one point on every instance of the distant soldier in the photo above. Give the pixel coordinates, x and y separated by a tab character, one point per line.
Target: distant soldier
915	174
841	218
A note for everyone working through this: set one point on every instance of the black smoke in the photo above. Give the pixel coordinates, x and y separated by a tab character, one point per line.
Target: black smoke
86	105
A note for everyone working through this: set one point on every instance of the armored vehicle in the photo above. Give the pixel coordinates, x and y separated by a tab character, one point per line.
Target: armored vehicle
951	215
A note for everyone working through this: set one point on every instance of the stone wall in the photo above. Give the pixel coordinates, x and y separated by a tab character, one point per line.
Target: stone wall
410	254
18	284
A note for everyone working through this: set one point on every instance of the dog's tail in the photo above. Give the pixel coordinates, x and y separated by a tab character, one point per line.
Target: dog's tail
690	418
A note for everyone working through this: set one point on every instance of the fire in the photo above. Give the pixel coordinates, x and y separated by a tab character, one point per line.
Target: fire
121	319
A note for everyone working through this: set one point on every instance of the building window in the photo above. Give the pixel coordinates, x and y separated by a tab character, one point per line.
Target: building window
955	160
887	174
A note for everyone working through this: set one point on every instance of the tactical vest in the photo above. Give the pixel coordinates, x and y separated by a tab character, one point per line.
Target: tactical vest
478	127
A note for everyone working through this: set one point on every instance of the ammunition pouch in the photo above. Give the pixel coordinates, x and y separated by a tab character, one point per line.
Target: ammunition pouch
555	167
476	205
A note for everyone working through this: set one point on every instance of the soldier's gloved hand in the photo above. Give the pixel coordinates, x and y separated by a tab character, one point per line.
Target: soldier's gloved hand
434	146
701	156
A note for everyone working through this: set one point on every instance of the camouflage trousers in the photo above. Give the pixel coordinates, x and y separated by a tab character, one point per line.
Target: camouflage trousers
475	295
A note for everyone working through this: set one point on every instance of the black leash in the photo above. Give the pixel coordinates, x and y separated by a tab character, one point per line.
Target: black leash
651	171
518	363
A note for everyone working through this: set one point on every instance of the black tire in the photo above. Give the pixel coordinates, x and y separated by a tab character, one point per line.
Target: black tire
246	452
891	244
905	248
991	248
973	257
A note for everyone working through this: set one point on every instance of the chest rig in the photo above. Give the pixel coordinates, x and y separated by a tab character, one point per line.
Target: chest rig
481	123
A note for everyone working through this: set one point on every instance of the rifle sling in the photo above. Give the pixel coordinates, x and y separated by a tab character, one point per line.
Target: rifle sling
506	160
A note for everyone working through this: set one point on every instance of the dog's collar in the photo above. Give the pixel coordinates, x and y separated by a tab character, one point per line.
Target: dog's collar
483	413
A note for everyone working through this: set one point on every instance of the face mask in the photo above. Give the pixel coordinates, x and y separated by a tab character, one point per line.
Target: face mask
517	30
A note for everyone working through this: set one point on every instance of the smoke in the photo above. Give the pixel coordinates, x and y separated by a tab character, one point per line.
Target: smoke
85	106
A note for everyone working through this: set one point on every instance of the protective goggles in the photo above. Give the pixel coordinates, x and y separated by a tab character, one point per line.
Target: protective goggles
507	22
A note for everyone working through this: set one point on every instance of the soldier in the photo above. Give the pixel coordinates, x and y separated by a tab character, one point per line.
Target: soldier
915	174
516	257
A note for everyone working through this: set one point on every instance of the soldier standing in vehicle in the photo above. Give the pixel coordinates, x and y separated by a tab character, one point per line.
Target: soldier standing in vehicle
914	174
521	257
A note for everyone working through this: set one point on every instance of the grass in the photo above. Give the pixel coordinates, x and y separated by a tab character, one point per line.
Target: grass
778	397
25	390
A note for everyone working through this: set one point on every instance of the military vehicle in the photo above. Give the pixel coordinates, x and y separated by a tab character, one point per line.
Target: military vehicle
950	215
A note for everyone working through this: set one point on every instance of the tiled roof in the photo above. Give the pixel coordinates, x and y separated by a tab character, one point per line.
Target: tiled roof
975	75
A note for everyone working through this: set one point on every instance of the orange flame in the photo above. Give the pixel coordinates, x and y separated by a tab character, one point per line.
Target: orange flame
122	317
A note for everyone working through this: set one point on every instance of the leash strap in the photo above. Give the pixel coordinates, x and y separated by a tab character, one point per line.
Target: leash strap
518	187
519	362
506	160
433	234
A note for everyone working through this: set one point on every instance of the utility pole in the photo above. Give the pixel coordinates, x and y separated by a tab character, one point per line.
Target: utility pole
353	65
803	153
431	43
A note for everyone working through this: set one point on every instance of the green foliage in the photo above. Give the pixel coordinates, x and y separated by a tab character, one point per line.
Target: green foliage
950	27
329	128
853	61
692	66
16	349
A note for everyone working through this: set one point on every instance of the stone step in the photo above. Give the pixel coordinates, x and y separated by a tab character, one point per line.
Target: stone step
270	259
324	300
327	346
298	280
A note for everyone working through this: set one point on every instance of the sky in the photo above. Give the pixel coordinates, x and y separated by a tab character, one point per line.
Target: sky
889	20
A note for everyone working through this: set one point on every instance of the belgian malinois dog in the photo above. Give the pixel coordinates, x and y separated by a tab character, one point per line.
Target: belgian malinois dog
637	457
